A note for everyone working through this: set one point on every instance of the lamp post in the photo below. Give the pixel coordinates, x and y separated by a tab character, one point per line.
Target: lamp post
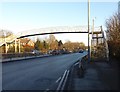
88	31
92	40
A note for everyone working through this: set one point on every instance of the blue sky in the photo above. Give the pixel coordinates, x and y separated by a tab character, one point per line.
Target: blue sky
21	16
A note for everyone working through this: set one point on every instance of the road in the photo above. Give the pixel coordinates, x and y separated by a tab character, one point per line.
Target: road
38	73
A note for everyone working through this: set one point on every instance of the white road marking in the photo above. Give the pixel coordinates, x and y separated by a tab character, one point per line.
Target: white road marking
76	63
46	90
58	79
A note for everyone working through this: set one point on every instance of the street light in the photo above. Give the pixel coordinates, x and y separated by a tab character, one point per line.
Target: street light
92	40
93	25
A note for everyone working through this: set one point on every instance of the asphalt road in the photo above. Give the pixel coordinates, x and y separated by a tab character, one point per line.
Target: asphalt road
38	73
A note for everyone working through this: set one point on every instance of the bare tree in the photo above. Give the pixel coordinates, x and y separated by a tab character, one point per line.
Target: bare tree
5	33
74	46
53	43
113	30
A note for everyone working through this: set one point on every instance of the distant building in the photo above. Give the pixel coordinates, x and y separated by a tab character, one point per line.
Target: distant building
26	42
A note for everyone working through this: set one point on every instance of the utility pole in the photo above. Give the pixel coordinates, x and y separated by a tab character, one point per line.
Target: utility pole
92	40
88	31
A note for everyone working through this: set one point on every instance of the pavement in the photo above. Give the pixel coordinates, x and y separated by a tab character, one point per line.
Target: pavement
97	75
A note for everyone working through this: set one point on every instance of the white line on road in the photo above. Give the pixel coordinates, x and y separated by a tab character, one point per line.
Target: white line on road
46	90
76	63
58	79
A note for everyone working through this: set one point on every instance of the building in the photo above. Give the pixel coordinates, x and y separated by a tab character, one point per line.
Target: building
26	42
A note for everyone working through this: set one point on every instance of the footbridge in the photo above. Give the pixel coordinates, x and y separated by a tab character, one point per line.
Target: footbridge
97	35
49	30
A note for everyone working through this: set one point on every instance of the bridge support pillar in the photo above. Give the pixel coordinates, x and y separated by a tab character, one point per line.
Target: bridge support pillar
97	39
19	46
6	48
15	46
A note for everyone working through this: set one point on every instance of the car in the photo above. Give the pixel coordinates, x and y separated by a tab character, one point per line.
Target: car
55	52
35	52
49	52
81	51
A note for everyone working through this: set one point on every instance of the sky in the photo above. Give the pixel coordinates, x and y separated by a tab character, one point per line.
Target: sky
21	16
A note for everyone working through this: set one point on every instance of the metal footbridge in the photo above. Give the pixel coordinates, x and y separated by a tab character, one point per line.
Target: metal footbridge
49	30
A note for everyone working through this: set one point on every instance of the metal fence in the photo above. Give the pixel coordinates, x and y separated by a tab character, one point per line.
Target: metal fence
16	55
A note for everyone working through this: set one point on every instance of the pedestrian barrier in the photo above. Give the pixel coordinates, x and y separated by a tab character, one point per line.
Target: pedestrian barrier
21	57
